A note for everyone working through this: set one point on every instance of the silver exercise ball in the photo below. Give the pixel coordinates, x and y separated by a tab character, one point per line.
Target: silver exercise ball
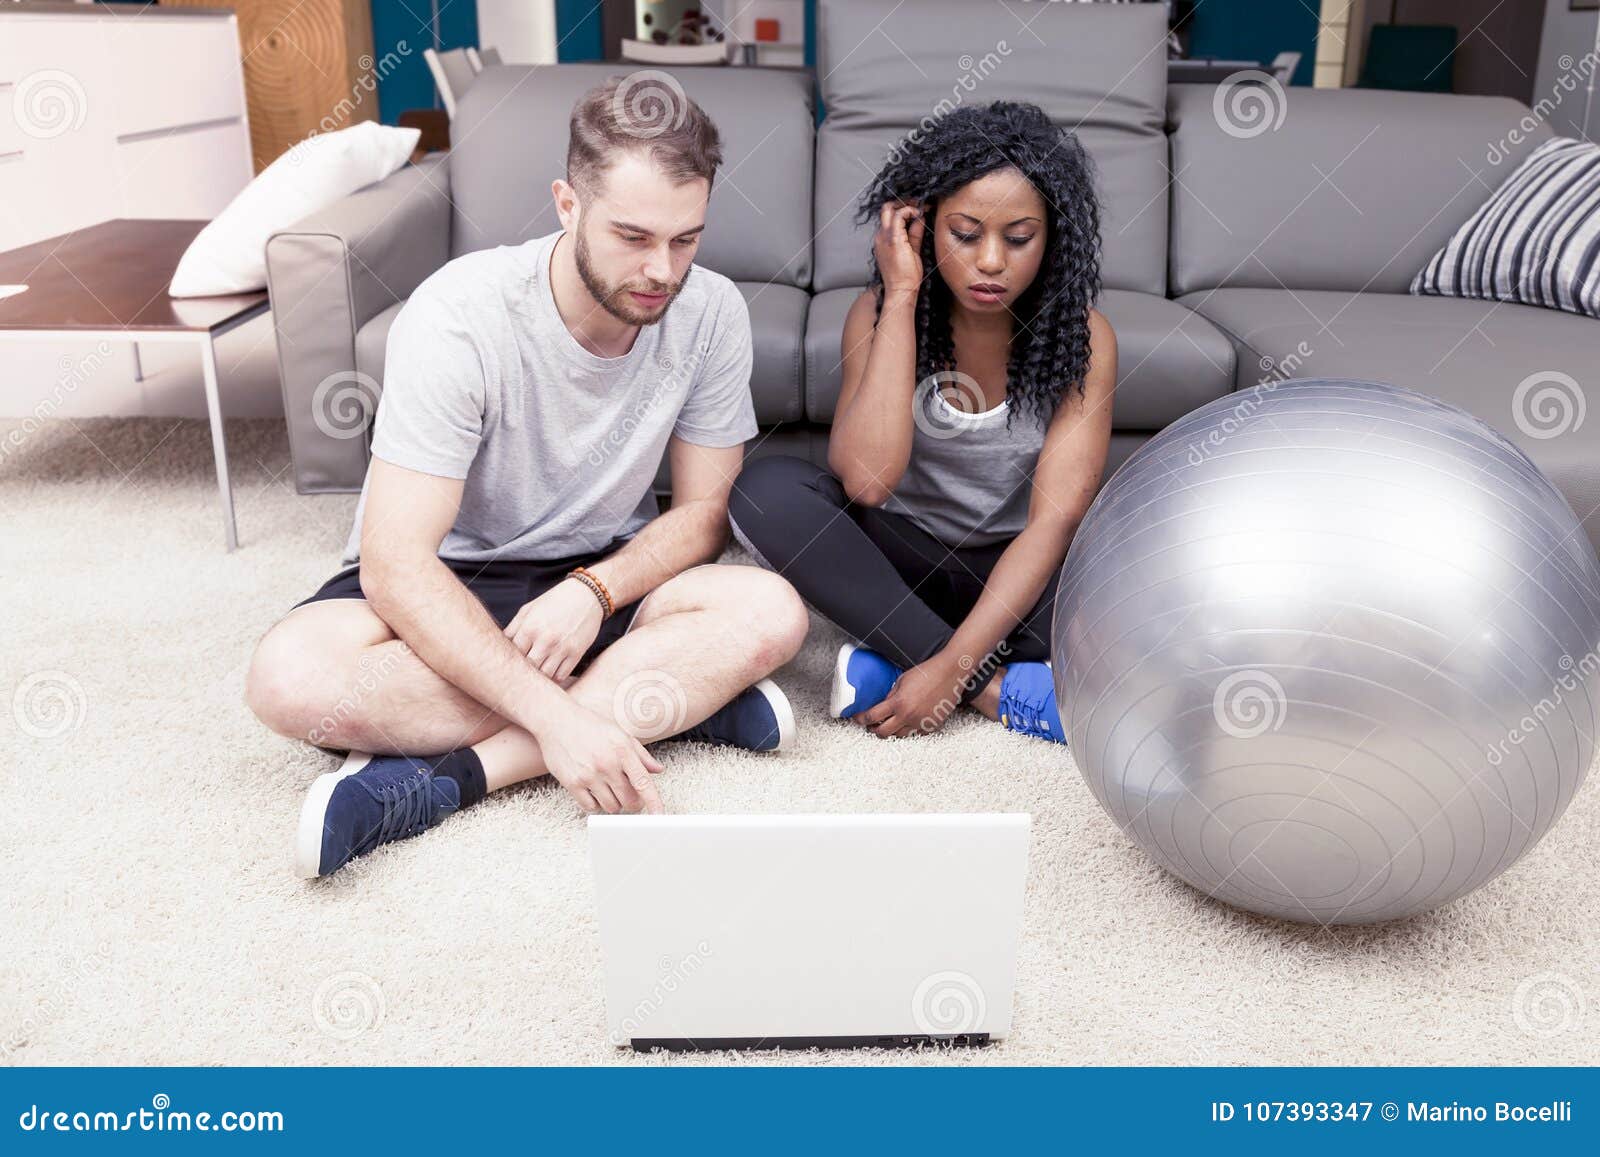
1327	651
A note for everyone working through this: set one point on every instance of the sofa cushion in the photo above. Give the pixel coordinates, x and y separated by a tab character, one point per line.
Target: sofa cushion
886	67
777	329
1526	371
372	342
1446	346
1356	189
510	135
777	320
1169	359
824	336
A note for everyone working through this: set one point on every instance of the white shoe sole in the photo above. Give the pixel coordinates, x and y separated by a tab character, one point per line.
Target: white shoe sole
779	702
314	813
843	695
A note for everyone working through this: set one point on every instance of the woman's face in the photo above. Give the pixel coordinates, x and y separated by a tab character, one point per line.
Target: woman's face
989	240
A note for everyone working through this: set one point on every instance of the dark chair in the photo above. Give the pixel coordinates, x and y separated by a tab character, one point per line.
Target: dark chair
1410	57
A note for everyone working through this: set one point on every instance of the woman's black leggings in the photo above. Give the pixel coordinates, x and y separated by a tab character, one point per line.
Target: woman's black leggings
878	575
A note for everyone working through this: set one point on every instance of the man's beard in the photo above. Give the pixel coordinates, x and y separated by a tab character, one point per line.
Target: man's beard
614	299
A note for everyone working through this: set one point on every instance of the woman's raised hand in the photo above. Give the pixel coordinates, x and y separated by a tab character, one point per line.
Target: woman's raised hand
897	245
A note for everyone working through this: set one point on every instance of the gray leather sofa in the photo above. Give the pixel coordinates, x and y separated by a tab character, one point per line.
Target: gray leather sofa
1229	256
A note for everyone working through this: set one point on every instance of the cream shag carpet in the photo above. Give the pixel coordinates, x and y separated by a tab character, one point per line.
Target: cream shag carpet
151	916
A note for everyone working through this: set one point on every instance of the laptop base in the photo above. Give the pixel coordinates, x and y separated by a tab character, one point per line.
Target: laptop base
751	1044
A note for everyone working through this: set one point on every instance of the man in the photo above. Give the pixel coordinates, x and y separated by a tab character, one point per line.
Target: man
511	602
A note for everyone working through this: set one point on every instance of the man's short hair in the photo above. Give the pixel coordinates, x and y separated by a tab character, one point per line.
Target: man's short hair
646	112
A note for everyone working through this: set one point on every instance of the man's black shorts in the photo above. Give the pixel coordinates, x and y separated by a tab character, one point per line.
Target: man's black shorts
503	587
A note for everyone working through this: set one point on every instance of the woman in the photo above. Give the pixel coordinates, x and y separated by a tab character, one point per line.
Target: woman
971	429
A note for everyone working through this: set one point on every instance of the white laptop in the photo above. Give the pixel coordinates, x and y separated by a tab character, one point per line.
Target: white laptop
796	931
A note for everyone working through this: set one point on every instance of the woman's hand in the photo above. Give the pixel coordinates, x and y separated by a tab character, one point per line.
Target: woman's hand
920	701
897	245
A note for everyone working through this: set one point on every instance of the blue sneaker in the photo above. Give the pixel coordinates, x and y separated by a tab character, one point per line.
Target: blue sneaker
862	679
371	800
1028	702
759	718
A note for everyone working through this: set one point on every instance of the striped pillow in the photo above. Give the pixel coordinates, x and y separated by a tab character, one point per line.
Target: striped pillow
1535	241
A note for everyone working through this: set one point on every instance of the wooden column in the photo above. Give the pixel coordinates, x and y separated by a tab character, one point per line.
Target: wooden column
308	67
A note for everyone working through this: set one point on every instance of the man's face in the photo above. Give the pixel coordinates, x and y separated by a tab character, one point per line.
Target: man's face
637	236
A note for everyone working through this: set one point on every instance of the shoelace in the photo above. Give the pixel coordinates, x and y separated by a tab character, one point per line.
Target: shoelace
1025	714
407	807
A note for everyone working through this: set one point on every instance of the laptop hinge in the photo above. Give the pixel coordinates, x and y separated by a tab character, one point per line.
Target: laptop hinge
899	1041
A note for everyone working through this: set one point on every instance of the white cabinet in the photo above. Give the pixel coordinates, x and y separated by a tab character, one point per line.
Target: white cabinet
83	94
196	76
204	188
111	111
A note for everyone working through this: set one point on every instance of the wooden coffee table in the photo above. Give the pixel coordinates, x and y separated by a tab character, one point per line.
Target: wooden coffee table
109	282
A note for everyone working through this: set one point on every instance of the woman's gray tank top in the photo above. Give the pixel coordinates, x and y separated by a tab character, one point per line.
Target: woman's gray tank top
970	475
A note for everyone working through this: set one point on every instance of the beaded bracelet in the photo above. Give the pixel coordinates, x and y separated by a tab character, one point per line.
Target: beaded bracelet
598	588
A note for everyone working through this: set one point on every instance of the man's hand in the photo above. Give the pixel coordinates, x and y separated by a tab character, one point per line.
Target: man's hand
604	767
555	629
920	700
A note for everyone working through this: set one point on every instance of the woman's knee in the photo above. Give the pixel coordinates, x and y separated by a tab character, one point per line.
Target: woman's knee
768	485
766	506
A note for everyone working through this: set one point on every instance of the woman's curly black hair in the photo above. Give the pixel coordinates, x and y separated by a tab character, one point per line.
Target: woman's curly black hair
1050	337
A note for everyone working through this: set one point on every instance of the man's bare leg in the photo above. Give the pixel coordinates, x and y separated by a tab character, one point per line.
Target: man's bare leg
333	673
689	652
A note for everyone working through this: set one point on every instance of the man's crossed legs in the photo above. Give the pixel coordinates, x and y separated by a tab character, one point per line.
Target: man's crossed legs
333	673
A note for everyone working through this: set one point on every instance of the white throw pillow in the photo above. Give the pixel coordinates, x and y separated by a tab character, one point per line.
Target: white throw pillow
229	254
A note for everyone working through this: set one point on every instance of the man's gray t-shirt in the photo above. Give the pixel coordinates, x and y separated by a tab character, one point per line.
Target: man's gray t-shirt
484	382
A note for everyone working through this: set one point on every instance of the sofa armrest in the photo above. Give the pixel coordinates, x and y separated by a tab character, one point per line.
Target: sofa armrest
328	275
